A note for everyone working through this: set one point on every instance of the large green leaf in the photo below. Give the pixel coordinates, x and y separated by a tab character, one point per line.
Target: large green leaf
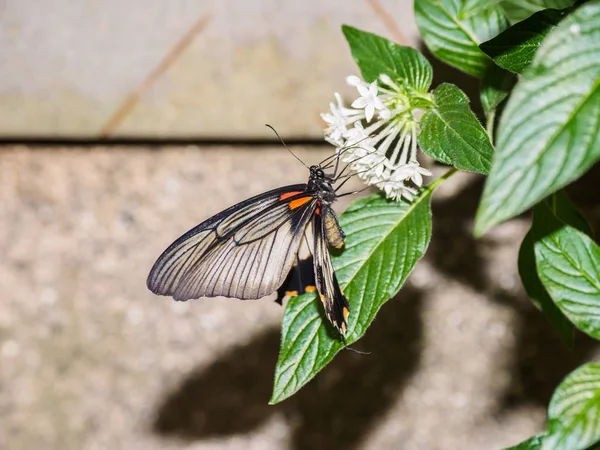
452	134
574	411
453	30
517	10
384	240
561	207
568	265
549	133
514	48
375	55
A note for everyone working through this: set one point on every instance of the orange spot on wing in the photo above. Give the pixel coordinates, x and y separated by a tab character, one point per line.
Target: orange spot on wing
310	289
299	202
288	195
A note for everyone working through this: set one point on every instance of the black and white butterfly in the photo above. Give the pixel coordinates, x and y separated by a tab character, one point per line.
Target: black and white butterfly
247	250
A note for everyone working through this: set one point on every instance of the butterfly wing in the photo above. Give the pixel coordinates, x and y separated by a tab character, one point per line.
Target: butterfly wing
336	305
244	252
301	279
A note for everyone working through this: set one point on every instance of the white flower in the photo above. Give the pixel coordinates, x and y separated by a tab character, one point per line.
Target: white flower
412	171
337	122
356	134
396	190
382	152
368	97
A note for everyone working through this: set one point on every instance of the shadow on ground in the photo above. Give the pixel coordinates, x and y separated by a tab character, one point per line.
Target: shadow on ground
230	397
540	360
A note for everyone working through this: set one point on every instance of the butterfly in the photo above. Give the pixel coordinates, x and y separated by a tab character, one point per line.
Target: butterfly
248	250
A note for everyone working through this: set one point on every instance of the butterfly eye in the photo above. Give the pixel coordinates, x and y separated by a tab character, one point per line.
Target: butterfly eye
320	173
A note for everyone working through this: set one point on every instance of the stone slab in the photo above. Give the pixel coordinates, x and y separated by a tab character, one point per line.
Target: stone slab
69	66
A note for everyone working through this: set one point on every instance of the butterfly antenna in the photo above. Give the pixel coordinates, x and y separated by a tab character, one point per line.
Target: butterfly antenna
288	149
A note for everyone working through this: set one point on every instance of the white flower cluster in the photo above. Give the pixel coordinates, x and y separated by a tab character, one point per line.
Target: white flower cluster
383	152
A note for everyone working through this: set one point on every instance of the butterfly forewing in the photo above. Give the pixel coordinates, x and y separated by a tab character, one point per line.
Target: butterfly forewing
245	252
246	270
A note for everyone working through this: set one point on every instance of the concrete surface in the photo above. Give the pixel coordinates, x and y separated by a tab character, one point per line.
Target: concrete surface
69	66
89	359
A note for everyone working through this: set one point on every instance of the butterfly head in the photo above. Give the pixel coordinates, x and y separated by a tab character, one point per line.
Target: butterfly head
317	173
322	183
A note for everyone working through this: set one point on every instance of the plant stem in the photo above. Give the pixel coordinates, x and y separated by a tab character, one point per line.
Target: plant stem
489	126
433	186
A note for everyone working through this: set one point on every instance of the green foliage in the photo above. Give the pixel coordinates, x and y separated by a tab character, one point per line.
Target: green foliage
514	48
548	133
559	209
568	264
453	30
574	411
375	55
517	10
452	134
540	82
573	414
496	84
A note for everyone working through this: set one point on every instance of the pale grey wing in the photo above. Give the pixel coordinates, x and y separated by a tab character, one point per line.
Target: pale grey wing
253	261
171	267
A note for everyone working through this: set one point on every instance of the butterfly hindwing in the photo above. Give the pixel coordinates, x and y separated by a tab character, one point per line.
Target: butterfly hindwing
335	303
300	280
245	251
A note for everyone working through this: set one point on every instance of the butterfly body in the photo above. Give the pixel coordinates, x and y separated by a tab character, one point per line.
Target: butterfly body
248	250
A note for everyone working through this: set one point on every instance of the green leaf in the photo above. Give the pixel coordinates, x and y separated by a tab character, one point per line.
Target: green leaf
537	292
375	55
514	48
518	10
471	7
384	241
549	133
564	210
452	134
453	33
533	443
568	264
574	411
496	84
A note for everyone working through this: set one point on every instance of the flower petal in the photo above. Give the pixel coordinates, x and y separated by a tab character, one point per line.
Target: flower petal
353	80
369	111
360	102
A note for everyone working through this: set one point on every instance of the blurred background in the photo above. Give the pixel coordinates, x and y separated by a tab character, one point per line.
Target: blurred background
124	124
